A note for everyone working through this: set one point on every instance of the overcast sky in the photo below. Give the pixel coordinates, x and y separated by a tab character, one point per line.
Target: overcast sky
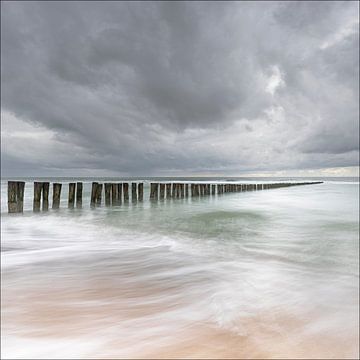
179	88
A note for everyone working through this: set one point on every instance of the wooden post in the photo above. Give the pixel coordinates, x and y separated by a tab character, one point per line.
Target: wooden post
108	188
12	196
213	189
71	197
126	192
141	191
162	191
15	196
119	193
168	191
37	195
99	193
154	191
173	191
177	190
45	201
56	195
79	189
114	194
182	190
134	192
186	190
93	194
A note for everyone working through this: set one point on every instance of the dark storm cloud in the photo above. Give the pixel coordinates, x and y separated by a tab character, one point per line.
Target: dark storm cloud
192	87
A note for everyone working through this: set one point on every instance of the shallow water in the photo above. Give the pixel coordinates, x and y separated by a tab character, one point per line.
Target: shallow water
262	274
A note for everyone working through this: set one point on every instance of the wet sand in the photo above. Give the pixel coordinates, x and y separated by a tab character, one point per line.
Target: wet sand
129	322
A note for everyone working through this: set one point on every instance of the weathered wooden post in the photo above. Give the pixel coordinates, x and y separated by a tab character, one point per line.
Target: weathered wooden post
168	191
45	201
162	191
37	195
12	196
173	190
182	190
213	189
126	192
134	192
93	194
114	194
71	197
56	195
108	188
119	193
140	191
177	187
186	190
154	191
79	190
99	188
15	196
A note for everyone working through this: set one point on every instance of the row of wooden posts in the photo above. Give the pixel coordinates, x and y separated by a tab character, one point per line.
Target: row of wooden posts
116	193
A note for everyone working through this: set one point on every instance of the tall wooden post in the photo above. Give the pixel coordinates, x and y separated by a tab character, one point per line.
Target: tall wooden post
93	194
182	190
79	191
114	194
37	195
141	191
108	188
45	201
119	193
173	191
168	191
56	195
99	188
154	191
162	191
16	196
186	190
71	197
134	192
126	192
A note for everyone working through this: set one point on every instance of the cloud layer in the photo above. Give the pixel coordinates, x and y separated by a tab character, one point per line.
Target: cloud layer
174	88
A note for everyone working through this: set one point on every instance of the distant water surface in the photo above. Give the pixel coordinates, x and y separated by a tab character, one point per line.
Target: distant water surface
261	274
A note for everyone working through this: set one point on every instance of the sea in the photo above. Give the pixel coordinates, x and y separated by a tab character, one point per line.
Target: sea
257	274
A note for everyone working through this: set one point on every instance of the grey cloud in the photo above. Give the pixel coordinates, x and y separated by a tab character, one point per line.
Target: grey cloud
130	83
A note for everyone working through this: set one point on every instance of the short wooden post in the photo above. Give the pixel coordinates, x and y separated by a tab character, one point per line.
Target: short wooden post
126	192
134	192
71	197
213	189
99	188
45	201
79	190
108	188
93	194
168	191
37	195
141	191
56	195
186	190
162	191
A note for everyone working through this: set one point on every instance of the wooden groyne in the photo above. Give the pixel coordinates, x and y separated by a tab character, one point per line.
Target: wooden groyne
116	194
